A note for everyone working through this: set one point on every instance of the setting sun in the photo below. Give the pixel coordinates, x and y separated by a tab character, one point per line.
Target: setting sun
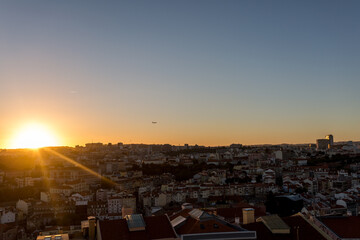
33	136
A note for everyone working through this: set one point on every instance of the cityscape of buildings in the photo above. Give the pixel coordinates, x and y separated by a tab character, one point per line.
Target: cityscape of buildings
203	120
138	191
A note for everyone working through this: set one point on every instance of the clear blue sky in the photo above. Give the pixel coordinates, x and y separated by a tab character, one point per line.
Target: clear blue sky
210	72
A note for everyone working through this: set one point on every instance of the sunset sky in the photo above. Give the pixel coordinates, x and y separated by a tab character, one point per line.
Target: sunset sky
208	72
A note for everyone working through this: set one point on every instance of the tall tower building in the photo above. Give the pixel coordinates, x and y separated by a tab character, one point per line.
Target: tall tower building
331	140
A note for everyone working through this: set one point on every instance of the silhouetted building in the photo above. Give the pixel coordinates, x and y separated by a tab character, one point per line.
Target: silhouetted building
322	144
330	138
285	205
236	145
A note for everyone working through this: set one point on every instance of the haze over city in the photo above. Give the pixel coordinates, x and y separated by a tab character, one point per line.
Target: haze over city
207	72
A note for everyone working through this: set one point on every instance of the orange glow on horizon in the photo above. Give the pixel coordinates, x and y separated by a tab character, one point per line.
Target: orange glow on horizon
33	136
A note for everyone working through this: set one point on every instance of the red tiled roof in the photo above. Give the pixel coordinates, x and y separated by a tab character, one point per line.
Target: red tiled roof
193	225
7	226
183	213
209	226
157	227
344	227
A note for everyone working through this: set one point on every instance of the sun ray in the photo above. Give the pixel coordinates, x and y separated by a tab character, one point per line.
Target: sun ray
75	163
43	168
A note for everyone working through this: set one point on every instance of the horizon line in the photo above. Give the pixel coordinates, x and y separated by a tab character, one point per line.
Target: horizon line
200	145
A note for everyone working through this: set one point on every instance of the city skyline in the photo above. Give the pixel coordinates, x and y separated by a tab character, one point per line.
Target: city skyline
327	143
208	73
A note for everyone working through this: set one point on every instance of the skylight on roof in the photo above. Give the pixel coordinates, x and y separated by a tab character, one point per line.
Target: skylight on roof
275	224
135	222
178	220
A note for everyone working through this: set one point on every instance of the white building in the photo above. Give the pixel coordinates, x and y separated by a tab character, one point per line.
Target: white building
45	196
114	205
23	206
278	155
7	216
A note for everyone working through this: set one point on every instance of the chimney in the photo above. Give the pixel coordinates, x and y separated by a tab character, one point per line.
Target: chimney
92	223
126	211
248	215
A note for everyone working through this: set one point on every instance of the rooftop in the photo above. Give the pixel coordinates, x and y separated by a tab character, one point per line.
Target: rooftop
344	227
54	237
275	224
156	227
299	227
